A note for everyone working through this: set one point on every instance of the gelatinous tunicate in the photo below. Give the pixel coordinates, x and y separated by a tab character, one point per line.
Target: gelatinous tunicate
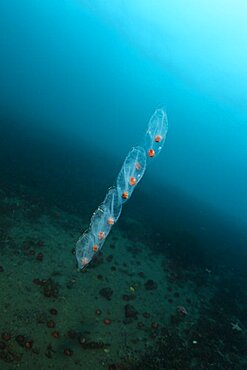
156	133
132	171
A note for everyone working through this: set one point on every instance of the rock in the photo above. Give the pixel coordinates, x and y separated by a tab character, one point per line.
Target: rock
20	339
68	352
106	293
109	258
150	285
130	312
50	289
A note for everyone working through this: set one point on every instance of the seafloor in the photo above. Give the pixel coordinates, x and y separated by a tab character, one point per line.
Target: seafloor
133	308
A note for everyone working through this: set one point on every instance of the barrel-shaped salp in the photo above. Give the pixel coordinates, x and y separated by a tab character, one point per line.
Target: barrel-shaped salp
129	176
86	248
131	172
156	133
99	225
106	215
113	203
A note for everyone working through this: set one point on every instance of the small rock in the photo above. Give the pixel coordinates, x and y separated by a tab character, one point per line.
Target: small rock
107	322
28	344
68	352
140	325
106	293
72	334
109	258
6	336
150	285
51	324
40	257
130	312
53	311
20	339
154	325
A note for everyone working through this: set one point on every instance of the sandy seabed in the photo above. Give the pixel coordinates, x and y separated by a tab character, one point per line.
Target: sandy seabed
129	304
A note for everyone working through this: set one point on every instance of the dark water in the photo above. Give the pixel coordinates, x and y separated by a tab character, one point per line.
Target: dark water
78	87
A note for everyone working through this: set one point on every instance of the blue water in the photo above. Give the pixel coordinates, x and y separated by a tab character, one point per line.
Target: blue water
96	76
79	81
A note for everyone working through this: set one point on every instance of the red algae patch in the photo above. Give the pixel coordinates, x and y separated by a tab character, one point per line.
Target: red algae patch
51	324
68	352
40	257
107	322
55	334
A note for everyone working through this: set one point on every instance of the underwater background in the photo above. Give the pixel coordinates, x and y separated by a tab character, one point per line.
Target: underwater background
79	81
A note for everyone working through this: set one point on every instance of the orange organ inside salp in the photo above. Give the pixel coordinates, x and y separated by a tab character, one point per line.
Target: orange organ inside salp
110	221
138	166
151	153
158	139
125	195
95	248
101	235
84	261
132	181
